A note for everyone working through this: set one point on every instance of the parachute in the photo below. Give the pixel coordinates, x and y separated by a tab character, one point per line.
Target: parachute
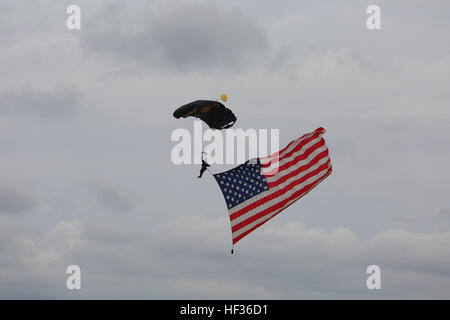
213	113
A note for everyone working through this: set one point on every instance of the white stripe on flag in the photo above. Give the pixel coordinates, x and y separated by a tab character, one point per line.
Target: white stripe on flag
283	196
270	215
311	163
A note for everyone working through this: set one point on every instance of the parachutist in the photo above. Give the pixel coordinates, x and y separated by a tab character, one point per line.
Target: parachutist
205	165
203	169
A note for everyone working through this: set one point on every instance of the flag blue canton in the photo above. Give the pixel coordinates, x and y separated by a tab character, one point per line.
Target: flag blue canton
241	183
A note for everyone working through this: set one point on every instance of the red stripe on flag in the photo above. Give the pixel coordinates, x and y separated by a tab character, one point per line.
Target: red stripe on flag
242	235
299	157
277	156
285	200
299	170
278	193
286	195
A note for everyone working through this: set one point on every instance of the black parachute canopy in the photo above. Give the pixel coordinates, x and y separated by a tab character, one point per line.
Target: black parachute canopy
214	113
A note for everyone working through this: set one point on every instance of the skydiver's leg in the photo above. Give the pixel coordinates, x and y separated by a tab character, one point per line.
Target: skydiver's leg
201	171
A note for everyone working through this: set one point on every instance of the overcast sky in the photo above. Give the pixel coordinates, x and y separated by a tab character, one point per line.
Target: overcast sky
86	176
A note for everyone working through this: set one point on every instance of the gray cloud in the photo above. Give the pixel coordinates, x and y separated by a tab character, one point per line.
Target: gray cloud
111	197
187	36
13	200
294	261
382	96
44	104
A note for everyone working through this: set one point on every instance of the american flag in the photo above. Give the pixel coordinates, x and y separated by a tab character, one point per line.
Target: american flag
256	191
